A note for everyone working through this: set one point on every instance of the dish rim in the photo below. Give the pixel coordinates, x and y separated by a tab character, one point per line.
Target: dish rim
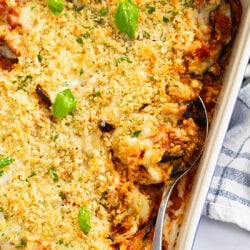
232	80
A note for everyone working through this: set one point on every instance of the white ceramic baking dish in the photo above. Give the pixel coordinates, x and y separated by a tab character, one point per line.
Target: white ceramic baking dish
231	84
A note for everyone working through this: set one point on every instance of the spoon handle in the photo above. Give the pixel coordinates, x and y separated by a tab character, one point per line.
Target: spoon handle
157	240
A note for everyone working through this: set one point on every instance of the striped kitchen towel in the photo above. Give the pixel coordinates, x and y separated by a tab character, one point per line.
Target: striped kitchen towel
228	198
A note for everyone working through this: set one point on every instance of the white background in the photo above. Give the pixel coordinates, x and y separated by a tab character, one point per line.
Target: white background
215	235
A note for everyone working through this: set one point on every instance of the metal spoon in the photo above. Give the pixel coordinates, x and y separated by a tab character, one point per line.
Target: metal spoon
199	114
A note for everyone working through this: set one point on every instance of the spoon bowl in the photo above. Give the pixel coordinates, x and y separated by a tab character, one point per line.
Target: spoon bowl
199	114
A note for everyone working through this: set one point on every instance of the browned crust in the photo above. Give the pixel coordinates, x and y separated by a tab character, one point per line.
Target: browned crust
236	12
212	85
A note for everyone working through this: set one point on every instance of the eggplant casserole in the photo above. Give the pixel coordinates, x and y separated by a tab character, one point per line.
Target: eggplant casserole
94	115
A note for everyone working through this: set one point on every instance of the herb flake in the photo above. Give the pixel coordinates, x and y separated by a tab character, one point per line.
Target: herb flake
86	35
22	244
136	133
79	40
151	9
5	161
103	12
122	59
32	175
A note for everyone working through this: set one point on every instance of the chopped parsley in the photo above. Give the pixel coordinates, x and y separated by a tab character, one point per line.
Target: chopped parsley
151	9
32	175
62	195
103	12
97	93
104	195
99	20
80	8
79	40
61	242
5	161
55	175
136	133
39	57
146	34
51	169
22	244
188	3
122	59
55	137
81	72
151	78
23	82
86	35
171	14
165	19
65	84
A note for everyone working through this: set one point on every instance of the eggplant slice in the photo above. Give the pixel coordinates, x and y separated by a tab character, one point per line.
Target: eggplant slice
8	57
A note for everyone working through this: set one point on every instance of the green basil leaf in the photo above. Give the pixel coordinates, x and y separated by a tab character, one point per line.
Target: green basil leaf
126	17
84	219
65	103
5	161
56	6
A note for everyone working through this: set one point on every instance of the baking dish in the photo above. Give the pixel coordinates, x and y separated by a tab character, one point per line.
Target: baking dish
35	57
231	84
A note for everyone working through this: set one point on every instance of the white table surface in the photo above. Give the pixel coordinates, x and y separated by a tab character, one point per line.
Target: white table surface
215	235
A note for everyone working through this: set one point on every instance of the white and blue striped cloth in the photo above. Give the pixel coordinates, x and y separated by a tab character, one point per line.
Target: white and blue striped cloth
228	198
